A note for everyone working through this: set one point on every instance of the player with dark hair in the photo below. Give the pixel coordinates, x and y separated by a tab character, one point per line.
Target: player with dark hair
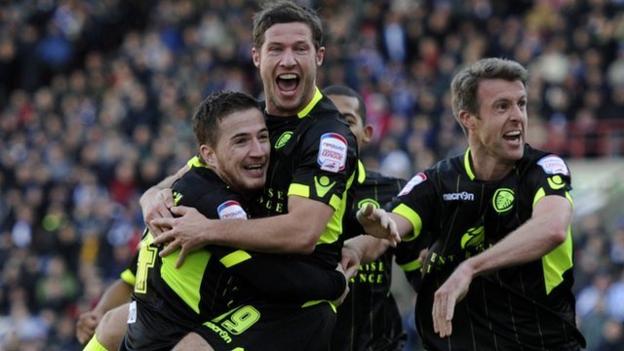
171	301
313	164
369	319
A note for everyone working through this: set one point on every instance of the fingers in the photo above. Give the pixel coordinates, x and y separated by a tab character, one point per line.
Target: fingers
181	257
442	313
169	248
180	210
351	271
394	230
85	327
166	196
164	236
345	262
83	334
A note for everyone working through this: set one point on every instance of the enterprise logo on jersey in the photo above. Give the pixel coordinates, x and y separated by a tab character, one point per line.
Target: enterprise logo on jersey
553	165
458	196
332	154
417	179
231	209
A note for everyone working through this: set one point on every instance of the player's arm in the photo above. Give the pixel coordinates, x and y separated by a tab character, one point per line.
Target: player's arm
403	220
117	294
280	277
157	200
294	232
547	229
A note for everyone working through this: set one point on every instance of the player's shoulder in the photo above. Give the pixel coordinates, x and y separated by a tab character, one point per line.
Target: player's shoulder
200	187
542	162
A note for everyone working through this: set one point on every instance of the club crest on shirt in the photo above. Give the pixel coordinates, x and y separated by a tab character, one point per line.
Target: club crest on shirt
503	200
231	209
417	179
332	155
553	165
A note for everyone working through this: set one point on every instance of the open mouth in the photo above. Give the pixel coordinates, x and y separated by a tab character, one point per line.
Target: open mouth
287	82
513	136
256	169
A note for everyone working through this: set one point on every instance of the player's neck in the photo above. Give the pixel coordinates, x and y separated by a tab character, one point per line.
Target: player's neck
488	167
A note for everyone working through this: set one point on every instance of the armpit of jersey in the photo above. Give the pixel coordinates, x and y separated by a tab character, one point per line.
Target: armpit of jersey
553	164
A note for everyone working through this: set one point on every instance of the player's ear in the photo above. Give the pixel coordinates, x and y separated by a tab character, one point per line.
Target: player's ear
208	156
368	133
255	57
467	120
320	55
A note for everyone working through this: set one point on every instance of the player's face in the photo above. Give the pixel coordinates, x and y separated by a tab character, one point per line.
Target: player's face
288	61
501	129
349	107
242	150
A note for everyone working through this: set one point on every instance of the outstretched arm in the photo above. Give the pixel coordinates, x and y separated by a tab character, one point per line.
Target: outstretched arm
365	248
547	229
379	223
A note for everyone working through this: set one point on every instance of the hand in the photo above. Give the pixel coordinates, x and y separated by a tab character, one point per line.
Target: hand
378	223
350	261
447	296
185	233
86	324
347	277
156	206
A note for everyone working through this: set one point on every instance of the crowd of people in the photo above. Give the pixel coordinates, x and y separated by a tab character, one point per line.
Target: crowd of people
96	99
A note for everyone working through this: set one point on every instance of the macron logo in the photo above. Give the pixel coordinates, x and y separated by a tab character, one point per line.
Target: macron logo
465	196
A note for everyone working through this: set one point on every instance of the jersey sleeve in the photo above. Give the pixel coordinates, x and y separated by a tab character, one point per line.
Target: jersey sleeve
550	176
326	164
416	203
281	277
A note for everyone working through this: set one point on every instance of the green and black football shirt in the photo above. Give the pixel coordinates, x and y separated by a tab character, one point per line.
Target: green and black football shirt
369	319
525	307
313	155
215	279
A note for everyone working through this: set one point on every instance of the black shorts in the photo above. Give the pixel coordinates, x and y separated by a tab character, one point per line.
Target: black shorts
150	330
272	327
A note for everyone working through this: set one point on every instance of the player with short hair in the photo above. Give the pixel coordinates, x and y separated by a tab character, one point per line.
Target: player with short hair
171	301
499	273
369	319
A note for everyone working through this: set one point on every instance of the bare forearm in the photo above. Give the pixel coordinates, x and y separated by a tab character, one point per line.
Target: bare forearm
298	231
116	295
272	235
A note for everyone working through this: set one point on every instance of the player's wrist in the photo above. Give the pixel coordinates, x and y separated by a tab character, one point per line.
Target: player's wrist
470	267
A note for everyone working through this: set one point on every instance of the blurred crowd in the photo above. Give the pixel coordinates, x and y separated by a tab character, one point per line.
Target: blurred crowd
96	99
